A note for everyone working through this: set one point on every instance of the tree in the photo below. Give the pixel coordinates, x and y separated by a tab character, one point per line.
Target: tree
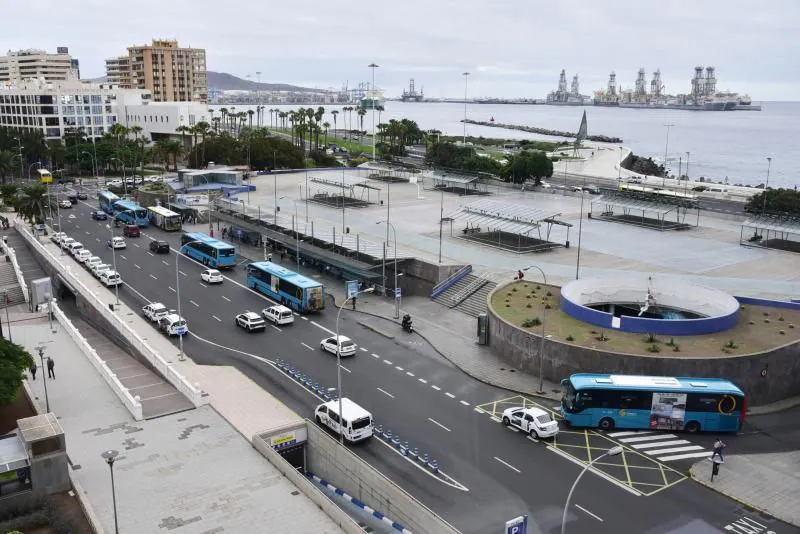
779	201
31	202
14	361
326	125
361	113
527	165
9	193
250	114
6	163
335	113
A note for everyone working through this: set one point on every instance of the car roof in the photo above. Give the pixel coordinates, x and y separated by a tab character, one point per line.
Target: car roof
251	315
350	409
341	338
280	307
156	306
534	411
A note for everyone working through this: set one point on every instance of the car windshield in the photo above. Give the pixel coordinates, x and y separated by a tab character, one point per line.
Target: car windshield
347	344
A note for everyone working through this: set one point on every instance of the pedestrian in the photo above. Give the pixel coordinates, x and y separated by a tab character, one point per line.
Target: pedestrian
283	255
269	256
520	275
354	303
714	468
32	370
719	445
50	368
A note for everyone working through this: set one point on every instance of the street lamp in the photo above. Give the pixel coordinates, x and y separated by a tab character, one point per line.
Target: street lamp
465	75
94	162
666	149
580	231
296	225
110	457
613	451
124	180
114	260
441	223
181	355
373	66
31	165
40	350
339	359
766	187
21	164
541	341
396	300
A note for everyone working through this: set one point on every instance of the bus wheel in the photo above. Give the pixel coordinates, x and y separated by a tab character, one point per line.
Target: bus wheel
606	423
693	427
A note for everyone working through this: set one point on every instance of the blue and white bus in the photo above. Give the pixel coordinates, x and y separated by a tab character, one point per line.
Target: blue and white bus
652	402
130	212
106	200
208	251
294	290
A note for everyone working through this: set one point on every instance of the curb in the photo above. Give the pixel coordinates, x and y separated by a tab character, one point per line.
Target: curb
376	330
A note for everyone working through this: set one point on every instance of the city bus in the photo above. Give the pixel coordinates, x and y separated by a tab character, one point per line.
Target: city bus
208	251
294	290
45	177
130	212
165	219
106	201
652	403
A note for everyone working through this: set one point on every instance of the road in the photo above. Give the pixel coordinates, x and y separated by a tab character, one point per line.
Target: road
425	400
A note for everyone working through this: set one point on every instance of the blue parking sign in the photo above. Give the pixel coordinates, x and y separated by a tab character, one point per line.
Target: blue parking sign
518	525
352	288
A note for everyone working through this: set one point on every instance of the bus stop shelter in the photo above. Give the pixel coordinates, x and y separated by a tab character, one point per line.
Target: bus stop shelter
780	232
456	182
643	209
349	191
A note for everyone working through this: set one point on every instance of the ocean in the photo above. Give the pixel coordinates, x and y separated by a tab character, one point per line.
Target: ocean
732	144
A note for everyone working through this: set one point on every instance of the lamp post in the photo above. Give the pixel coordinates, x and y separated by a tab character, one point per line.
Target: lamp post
666	149
94	162
275	188
396	299
21	164
580	232
766	187
110	457
296	225
441	223
373	66
339	359
29	168
465	75
613	451
124	178
40	350
181	354
541	341
114	261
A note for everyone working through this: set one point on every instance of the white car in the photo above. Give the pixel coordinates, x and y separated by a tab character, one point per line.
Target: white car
83	255
117	243
345	346
358	422
100	268
211	276
114	183
155	311
92	261
533	421
65	241
64	204
74	247
173	325
110	278
250	321
57	237
278	315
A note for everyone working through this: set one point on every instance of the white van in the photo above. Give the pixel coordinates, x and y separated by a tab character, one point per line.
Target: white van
110	278
83	255
74	247
278	315
173	325
358	423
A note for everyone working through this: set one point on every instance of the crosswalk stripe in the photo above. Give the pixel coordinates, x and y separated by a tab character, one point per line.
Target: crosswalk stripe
688	455
648	438
638	446
674	449
623	434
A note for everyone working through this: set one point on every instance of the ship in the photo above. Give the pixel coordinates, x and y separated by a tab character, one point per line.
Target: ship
608	97
562	97
411	95
373	99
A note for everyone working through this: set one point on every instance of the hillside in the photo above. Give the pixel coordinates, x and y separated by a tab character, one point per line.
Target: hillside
223	81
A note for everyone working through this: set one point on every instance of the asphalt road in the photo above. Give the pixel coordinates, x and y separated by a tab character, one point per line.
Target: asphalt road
416	394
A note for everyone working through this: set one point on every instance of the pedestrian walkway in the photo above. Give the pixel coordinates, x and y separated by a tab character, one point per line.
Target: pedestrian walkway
767	482
190	472
660	445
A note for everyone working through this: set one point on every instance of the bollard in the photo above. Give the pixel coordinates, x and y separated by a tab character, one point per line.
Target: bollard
414	453
388	435
379	429
434	466
424	459
396	441
404	448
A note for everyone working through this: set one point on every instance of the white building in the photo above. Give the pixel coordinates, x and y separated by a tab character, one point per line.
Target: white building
22	65
55	108
162	119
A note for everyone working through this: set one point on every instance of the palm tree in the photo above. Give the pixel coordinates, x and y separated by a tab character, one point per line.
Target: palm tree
216	120
350	111
250	114
9	194
183	130
282	115
32	201
6	163
361	113
136	130
334	113
310	116
203	129
291	121
224	112
326	125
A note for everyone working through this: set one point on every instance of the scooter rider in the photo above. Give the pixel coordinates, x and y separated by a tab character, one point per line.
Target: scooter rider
406	322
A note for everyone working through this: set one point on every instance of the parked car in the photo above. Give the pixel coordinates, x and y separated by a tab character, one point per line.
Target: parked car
344	346
74	247
250	321
72	196
533	421
64	204
110	278
358	421
173	324
159	247
99	215
100	268
92	261
117	243
278	315
211	276
155	311
57	237
82	195
131	230
83	255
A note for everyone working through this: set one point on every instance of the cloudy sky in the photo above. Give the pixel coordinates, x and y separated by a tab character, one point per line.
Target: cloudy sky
512	48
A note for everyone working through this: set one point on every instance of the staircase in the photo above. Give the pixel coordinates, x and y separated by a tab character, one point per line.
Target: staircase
31	270
449	298
9	286
468	295
475	304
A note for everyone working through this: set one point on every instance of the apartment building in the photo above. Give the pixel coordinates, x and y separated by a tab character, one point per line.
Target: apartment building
169	72
33	63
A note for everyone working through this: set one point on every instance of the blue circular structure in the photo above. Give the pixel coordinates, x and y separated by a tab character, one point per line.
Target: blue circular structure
649	305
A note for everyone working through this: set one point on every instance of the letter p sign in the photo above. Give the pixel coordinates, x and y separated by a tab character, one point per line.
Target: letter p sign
518	525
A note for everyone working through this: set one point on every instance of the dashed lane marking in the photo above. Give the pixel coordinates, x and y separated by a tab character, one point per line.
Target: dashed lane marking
226	298
437	388
587	512
217	318
304	318
165	263
345	369
195	304
422	380
150	253
306	346
154	277
399	368
276	328
136	266
202	284
183	273
387	362
507	464
363	349
440	425
135	245
331	332
375	356
465	403
409	373
123	257
171	289
386	393
450	395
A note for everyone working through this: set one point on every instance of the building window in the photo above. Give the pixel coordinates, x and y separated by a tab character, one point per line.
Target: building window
68	110
96	99
97	110
53	132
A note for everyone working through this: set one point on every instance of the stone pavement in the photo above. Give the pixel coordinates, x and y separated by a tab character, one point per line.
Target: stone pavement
189	472
767	482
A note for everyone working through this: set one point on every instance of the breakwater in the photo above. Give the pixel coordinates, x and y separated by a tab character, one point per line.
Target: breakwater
543	131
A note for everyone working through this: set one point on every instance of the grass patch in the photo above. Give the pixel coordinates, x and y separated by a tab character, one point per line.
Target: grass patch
751	334
350	145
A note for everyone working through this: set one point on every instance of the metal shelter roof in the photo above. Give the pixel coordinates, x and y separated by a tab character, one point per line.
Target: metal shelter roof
514	218
454	179
347	182
13	455
633	204
790	225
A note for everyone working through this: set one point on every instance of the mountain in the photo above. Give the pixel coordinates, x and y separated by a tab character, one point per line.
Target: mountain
222	81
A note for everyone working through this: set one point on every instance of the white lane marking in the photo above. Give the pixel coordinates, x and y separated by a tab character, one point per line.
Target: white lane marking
196	304
409	373
686	456
217	318
123	257
513	428
136	266
479	410
660	444
587	512
532	438
331	332
150	253
363	349
422	380
399	368
674	449
171	289
202	284
450	395
386	393
626	433
345	369
165	263
304	318
276	328
496	419
97	239
594	470
226	298
87	233
387	362
648	438
507	464
135	245
375	356
440	425
465	403
306	346
154	277
437	388
183	273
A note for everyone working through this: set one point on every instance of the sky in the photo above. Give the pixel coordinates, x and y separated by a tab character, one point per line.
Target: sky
511	48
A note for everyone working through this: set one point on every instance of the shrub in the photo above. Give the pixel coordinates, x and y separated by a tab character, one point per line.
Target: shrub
766	314
676	348
791	326
651	338
602	337
782	332
531	322
731	344
547	307
781	318
751	322
654	348
671	342
529	306
549	294
570	338
524	285
538	287
514	289
766	321
527	296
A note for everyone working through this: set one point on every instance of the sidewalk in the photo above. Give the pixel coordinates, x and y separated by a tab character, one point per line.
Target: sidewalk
767	482
191	470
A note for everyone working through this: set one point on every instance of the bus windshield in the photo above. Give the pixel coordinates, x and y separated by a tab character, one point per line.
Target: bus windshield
225	252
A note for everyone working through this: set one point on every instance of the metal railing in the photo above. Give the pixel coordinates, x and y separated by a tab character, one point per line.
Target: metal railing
453	279
17	271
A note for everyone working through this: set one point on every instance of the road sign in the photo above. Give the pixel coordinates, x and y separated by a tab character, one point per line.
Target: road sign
351	287
181	330
397	293
517	526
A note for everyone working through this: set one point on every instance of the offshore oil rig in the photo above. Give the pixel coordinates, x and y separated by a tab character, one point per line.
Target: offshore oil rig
411	95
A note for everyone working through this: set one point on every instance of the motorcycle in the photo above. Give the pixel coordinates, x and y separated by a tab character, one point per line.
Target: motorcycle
407	325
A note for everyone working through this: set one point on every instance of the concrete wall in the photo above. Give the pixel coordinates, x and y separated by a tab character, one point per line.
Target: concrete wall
419	276
520	349
329	460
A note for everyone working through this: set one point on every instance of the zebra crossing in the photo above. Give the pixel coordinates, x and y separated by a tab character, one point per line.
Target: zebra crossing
660	446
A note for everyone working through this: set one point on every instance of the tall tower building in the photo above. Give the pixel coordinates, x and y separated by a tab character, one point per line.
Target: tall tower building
169	72
35	64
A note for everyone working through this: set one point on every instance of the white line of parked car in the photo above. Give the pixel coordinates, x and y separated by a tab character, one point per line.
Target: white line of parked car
102	271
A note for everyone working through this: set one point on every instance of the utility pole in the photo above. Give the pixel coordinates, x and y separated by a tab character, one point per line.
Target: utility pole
666	149
465	75
40	350
373	66
766	188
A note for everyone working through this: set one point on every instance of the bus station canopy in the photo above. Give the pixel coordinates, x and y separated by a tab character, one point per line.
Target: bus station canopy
506	217
781	224
634	204
347	183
